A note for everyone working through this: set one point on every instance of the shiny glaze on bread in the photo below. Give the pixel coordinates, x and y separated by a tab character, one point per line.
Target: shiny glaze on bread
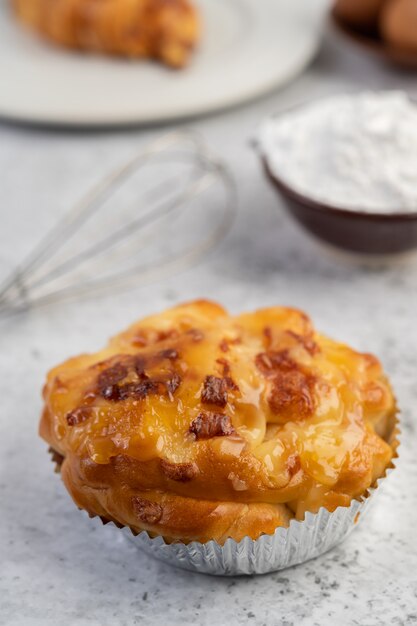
197	425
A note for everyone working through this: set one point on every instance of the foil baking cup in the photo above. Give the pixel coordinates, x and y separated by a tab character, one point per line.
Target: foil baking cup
301	541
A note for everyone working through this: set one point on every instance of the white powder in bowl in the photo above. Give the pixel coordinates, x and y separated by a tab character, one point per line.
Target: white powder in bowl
356	152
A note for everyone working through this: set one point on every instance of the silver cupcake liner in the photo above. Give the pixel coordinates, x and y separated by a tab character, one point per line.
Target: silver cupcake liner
300	542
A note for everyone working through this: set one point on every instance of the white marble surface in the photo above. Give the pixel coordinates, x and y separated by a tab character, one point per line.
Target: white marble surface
54	569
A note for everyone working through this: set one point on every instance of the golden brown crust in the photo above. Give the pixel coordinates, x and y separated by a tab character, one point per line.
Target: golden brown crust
161	29
168	514
197	425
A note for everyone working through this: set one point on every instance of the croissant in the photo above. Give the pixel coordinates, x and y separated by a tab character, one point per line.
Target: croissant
166	30
197	425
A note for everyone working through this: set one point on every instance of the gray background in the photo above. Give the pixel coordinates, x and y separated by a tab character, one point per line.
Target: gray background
54	567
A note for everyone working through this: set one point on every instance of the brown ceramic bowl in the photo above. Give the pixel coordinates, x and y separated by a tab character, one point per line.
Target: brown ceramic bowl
375	45
353	231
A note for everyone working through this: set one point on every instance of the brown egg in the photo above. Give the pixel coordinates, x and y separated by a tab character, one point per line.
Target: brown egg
398	24
361	14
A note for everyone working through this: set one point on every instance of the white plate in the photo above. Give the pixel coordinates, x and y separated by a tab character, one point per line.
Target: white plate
249	47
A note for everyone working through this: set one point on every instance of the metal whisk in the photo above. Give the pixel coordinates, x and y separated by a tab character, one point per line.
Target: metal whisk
131	229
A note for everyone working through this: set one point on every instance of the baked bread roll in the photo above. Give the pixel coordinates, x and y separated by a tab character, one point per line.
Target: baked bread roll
398	24
157	29
197	425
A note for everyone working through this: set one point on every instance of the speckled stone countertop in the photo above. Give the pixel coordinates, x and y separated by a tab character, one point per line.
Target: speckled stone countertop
55	569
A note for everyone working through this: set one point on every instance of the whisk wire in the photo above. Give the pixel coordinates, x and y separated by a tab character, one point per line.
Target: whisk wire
21	290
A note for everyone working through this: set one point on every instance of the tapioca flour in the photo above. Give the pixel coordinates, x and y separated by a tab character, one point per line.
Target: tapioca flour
353	151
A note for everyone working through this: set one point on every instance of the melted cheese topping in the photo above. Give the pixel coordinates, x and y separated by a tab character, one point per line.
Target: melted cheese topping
253	408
